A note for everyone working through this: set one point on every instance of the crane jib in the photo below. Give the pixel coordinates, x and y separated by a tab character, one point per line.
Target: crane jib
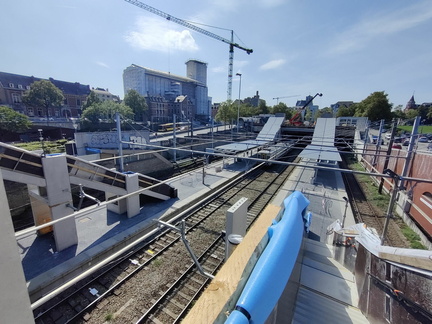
200	30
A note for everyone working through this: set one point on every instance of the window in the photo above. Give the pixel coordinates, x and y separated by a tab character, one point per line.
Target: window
20	86
388	271
78	102
30	111
388	308
11	85
426	199
16	98
28	87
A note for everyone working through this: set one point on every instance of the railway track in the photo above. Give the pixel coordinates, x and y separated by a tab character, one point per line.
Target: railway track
158	282
365	213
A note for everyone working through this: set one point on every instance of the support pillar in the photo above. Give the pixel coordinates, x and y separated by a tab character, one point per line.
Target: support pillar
14	299
58	197
133	202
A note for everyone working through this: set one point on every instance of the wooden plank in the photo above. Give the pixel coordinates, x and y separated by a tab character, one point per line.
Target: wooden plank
222	293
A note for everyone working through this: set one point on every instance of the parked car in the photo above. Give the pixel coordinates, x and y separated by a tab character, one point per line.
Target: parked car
423	139
397	146
406	142
387	136
397	140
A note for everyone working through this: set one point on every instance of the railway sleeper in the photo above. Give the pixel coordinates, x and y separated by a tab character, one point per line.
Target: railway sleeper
182	294
177	303
160	244
154	319
170	313
196	280
102	303
190	287
172	235
212	263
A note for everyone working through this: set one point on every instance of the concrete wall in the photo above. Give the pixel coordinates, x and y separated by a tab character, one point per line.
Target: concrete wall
412	201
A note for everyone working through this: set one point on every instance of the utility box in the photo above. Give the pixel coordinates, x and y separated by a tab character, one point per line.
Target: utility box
236	218
236	225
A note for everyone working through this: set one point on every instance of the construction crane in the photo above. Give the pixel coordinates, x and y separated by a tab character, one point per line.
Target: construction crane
277	98
202	31
293	120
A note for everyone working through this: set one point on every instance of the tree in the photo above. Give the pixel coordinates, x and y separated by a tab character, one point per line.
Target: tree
326	111
105	112
262	107
344	111
92	98
411	114
12	121
375	107
137	103
398	114
282	108
429	115
226	112
43	94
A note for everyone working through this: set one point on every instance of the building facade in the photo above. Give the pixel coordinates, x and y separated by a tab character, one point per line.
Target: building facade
13	86
105	95
168	94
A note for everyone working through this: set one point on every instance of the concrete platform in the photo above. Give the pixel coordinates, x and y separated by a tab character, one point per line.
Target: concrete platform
102	232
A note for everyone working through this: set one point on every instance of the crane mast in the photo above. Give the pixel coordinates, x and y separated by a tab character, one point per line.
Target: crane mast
202	31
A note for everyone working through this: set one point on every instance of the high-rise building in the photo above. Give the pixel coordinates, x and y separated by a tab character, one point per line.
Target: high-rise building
168	94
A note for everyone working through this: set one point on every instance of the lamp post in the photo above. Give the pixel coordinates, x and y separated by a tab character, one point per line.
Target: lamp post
238	105
41	139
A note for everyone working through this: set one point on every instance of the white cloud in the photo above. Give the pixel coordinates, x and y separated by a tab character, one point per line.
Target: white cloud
272	64
102	64
382	24
160	36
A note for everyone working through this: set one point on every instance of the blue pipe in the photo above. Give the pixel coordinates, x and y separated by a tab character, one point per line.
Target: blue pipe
273	269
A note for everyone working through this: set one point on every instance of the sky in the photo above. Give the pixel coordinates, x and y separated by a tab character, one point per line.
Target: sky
345	50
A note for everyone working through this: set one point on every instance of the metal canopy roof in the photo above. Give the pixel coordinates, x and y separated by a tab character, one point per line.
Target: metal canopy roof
268	134
322	147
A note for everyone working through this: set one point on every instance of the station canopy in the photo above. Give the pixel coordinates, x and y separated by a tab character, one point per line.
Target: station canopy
268	134
322	147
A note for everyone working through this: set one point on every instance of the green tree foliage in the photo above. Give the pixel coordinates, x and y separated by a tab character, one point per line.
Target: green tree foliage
137	103
429	115
262	107
326	111
411	114
105	112
375	107
423	112
398	114
43	94
345	111
246	110
226	112
92	98
12	121
282	108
